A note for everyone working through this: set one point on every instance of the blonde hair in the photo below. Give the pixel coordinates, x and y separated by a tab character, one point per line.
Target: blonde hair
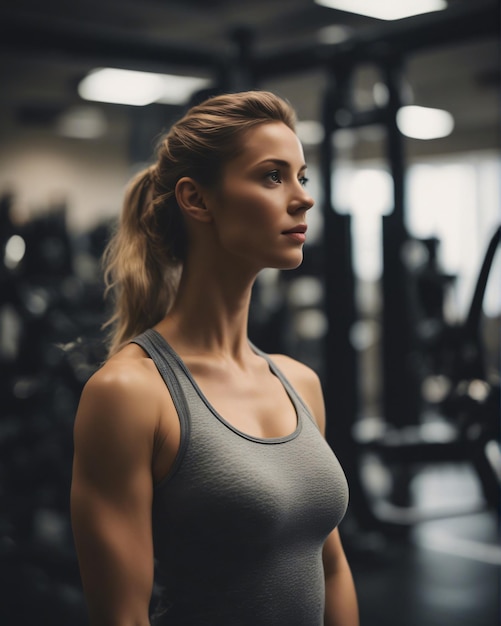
143	260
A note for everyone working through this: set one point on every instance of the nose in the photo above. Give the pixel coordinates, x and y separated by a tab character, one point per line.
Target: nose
301	199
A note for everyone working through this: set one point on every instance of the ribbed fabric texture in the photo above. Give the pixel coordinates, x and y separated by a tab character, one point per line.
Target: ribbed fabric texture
239	522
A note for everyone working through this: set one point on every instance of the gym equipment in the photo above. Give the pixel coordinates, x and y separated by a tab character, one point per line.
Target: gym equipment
472	409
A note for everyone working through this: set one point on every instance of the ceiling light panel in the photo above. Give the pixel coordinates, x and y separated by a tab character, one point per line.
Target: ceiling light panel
385	9
138	88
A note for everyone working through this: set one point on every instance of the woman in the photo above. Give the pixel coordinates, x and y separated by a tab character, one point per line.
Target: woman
195	452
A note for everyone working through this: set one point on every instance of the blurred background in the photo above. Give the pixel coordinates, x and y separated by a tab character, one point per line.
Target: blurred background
396	306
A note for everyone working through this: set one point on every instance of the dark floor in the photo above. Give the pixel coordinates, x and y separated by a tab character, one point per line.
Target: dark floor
440	572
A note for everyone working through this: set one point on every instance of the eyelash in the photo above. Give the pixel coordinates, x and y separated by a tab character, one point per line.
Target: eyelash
275	177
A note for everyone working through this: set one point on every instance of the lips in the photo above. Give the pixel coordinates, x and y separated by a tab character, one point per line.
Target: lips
300	228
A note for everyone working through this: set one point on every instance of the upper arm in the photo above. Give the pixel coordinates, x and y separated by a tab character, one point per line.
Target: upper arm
111	497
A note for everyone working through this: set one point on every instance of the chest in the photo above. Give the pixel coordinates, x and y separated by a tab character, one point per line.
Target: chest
256	404
235	493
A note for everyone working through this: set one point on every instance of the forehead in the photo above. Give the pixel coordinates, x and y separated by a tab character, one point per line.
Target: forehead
269	141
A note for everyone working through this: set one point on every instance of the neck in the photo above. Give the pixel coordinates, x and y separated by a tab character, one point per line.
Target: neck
211	310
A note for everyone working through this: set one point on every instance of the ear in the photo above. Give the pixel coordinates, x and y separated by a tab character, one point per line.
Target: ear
190	198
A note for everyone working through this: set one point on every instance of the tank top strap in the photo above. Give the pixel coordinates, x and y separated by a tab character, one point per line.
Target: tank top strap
288	386
169	369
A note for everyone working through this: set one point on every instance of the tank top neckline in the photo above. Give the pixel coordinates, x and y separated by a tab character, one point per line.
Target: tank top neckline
275	371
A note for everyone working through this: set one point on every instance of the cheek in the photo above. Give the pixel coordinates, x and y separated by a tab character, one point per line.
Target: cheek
246	208
247	214
243	232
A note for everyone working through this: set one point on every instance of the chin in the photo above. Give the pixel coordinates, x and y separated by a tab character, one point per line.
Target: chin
289	264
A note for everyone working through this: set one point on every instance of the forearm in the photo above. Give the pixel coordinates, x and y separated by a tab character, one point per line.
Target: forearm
341	606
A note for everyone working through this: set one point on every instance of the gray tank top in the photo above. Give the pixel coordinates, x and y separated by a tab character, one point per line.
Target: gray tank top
239	522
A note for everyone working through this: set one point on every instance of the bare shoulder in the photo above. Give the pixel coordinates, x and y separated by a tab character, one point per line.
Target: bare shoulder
126	377
120	401
306	382
295	371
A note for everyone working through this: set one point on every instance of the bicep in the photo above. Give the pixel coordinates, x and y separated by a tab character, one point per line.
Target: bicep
111	497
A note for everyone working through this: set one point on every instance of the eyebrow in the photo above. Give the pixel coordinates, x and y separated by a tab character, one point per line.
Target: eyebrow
281	163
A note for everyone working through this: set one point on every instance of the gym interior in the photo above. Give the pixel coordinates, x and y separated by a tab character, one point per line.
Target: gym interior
396	306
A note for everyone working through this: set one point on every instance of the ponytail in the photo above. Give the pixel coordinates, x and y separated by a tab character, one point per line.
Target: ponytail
138	269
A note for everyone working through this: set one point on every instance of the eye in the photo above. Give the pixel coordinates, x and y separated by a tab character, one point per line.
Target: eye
274	176
303	181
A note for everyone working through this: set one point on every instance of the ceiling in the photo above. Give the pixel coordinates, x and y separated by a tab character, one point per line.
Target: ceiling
46	48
